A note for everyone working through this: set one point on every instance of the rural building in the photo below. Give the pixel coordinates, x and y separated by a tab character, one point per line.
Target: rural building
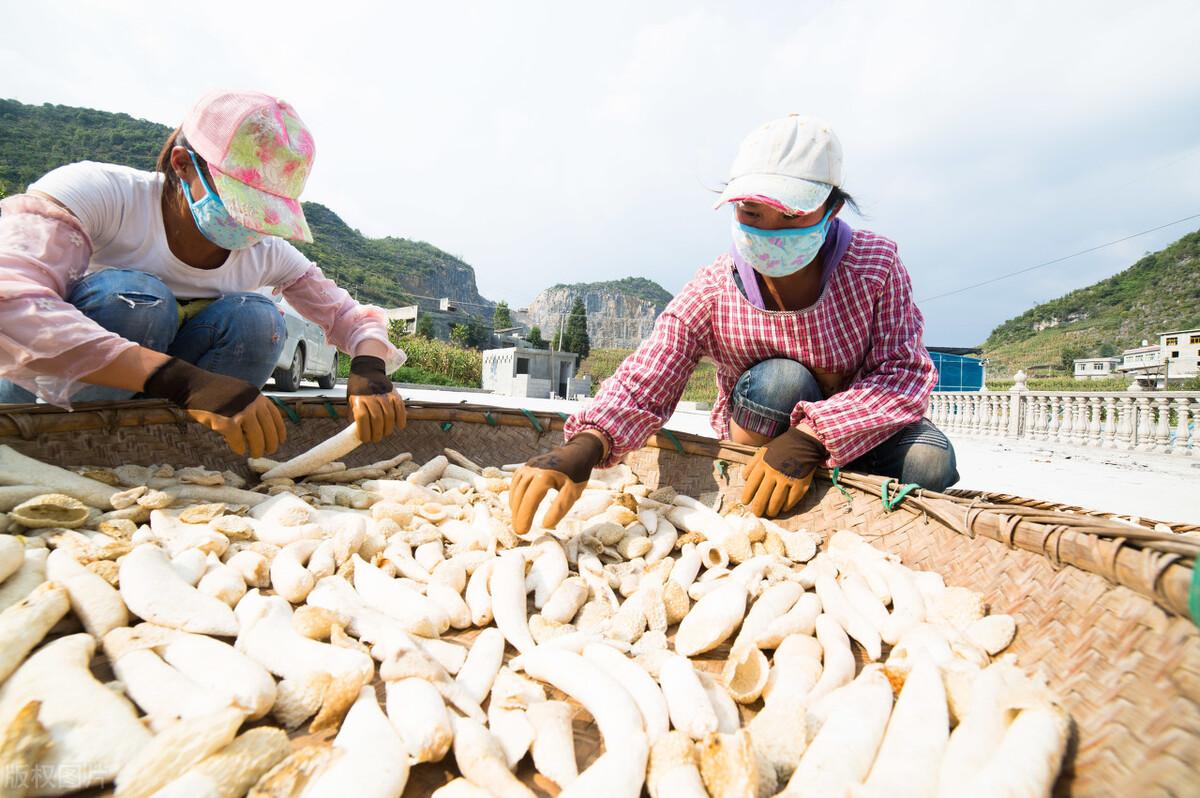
1096	368
510	337
1143	364
444	318
1180	354
535	373
957	369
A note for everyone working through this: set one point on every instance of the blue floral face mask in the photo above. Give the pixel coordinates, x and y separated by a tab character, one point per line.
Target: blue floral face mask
213	219
778	253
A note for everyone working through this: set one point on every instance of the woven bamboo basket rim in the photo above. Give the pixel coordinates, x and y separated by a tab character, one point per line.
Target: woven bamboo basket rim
1158	565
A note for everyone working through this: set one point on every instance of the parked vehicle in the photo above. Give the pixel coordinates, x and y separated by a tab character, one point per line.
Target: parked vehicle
306	353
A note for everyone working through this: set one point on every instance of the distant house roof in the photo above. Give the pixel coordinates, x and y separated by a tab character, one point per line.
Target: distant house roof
956	350
1097	359
1153	348
1181	332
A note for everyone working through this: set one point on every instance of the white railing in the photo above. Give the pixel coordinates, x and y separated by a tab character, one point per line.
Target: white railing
1144	421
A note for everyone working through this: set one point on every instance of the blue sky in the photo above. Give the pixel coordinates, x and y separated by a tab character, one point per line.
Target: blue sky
551	142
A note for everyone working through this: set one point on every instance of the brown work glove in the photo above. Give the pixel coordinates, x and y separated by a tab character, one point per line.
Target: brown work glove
378	410
781	472
247	420
566	469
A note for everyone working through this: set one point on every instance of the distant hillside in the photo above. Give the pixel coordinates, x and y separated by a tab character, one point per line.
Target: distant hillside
1158	293
385	271
638	287
620	313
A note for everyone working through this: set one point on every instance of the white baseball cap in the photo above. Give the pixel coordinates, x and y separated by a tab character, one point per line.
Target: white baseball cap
792	162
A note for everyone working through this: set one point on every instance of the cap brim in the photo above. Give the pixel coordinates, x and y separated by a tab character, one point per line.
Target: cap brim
795	194
259	210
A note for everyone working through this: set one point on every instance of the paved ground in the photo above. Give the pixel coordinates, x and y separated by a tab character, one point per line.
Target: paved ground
1163	487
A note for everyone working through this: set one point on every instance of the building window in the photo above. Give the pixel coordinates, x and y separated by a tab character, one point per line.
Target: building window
1175	353
1195	339
1172	341
522	365
1097	367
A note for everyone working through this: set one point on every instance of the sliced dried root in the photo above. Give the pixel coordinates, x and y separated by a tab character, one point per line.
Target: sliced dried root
674	769
310	461
370	758
233	770
23	625
176	749
419	715
50	510
94	731
22	743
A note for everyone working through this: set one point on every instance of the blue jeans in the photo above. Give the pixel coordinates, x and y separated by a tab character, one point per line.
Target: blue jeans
239	335
766	393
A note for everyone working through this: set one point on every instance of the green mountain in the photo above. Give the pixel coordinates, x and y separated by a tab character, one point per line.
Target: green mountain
638	287
385	271
1160	292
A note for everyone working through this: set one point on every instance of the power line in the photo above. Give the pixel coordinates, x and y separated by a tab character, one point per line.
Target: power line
1057	260
1156	169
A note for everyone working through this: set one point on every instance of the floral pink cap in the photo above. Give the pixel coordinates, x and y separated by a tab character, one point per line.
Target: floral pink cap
259	153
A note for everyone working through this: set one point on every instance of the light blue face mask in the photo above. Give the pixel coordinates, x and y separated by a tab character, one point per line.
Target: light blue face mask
778	253
213	219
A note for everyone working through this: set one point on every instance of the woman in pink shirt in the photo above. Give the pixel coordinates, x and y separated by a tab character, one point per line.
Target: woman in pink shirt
814	334
116	282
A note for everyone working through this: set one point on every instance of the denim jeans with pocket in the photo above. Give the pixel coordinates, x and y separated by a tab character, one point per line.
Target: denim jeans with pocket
766	393
238	335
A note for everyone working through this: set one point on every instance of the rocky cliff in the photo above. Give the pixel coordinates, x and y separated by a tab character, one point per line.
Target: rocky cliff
391	271
620	313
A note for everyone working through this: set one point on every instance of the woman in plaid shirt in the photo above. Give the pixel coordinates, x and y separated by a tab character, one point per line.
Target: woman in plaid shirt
814	334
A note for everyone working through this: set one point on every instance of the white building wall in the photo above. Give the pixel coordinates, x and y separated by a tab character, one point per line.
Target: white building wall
1180	350
542	369
1096	368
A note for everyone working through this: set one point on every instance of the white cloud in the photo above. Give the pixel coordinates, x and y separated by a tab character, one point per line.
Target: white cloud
548	143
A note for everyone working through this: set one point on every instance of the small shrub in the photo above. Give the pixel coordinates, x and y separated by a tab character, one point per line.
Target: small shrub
431	362
602	363
462	367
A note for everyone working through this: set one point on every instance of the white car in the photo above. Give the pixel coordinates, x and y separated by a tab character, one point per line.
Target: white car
305	354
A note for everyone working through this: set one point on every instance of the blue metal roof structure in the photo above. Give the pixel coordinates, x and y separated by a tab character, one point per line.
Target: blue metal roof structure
956	370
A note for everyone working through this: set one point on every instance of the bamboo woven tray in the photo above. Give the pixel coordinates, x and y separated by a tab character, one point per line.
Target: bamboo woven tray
1101	605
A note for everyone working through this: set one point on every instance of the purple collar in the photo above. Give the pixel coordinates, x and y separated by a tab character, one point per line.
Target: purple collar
837	241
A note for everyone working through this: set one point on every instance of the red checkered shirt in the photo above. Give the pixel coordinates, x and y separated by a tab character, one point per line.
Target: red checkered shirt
864	325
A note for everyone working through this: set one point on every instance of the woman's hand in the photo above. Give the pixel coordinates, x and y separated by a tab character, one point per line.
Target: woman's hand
248	421
781	472
565	469
258	430
377	407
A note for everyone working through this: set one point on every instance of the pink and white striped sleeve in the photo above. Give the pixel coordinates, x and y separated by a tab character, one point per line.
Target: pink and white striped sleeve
641	395
893	385
46	345
345	322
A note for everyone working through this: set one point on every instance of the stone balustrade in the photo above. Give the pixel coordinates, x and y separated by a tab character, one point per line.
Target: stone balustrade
1144	421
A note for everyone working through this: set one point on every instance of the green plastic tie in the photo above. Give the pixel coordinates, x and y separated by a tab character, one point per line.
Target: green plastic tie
723	468
837	471
563	416
445	425
330	409
537	425
1194	592
674	441
286	409
901	492
489	418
